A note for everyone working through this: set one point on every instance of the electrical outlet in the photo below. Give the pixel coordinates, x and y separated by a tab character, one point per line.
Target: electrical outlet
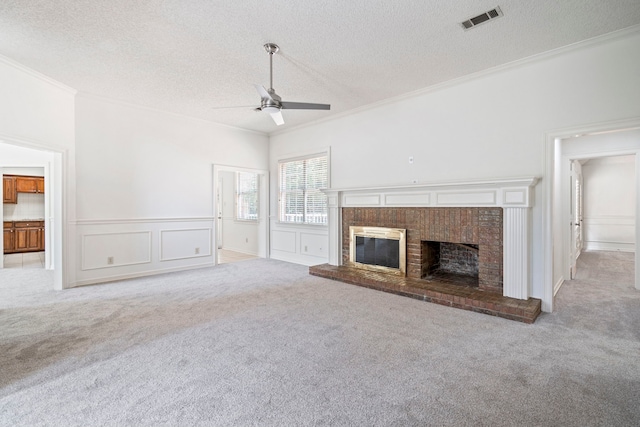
110	260
197	251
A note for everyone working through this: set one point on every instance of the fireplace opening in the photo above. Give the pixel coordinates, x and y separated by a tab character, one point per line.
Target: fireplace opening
378	248
377	251
455	263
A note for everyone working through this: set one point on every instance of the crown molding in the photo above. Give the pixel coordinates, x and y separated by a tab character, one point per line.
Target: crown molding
33	73
594	41
118	102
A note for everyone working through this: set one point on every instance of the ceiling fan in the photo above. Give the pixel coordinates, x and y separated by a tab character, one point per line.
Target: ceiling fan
271	102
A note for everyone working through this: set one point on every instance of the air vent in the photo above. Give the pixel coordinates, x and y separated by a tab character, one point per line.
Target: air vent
482	18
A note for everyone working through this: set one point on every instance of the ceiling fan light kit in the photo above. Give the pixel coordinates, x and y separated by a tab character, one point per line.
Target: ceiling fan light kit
271	102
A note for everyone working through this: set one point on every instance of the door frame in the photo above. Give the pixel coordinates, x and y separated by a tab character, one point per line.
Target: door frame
552	158
263	207
57	248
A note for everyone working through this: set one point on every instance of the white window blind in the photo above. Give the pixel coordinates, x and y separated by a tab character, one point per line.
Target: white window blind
247	196
300	181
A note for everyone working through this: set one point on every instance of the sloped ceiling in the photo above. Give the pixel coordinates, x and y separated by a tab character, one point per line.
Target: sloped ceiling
194	56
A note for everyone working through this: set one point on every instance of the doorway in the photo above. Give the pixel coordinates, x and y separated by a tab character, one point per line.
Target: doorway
602	206
22	154
24	212
561	235
241	213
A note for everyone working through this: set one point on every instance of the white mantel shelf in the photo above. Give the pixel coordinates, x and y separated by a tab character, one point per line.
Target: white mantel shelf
514	195
514	192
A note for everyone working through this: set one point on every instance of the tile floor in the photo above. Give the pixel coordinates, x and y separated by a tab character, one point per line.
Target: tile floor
24	260
226	256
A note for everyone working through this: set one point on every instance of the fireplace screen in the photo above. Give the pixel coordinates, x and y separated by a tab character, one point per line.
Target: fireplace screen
378	248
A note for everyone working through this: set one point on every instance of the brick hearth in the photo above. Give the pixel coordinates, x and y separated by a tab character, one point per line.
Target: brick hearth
481	226
464	297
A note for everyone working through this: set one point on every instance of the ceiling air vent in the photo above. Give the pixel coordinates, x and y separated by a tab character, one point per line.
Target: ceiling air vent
482	18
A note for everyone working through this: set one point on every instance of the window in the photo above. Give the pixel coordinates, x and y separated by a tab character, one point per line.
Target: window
247	196
300	181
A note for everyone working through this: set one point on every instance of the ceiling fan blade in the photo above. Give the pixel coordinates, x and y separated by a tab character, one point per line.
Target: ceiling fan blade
235	106
304	106
277	117
263	92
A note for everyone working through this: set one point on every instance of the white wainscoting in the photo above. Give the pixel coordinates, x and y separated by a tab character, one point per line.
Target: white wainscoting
102	250
241	236
126	248
300	244
609	233
185	243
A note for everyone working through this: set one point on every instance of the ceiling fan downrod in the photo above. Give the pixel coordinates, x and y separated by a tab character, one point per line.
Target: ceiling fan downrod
271	48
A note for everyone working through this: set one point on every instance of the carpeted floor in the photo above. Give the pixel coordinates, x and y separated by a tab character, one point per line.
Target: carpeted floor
261	342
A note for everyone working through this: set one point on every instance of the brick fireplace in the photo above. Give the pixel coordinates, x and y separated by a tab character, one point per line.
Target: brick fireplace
483	225
467	226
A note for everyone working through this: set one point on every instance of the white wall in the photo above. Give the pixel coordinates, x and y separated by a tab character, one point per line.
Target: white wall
239	236
145	187
37	112
492	125
609	203
34	108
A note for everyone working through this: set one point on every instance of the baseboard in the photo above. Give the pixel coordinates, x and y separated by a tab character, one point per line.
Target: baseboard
610	246
557	285
297	259
240	251
118	277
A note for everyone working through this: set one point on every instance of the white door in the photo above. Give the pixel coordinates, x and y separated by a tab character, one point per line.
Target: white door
575	246
219	207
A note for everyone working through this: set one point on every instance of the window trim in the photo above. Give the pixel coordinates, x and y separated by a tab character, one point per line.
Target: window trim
297	157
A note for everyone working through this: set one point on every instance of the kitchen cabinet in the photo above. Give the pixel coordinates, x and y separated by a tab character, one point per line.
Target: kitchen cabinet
29	184
40	185
9	190
23	236
8	237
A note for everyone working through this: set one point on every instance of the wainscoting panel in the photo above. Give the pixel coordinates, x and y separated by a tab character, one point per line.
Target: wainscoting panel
181	244
300	244
127	248
314	245
115	249
609	233
283	241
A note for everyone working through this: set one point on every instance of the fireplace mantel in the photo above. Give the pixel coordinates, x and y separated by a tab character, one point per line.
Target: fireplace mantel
514	195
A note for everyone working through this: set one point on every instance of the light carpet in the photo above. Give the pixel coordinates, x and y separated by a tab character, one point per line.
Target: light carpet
261	342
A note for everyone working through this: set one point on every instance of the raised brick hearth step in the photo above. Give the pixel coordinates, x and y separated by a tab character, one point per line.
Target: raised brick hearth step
464	297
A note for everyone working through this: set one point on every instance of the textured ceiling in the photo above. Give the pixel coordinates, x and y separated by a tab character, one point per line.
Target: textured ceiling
193	56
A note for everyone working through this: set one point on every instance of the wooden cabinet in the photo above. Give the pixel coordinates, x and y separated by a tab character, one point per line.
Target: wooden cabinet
14	184
24	236
29	184
9	237
40	185
9	190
